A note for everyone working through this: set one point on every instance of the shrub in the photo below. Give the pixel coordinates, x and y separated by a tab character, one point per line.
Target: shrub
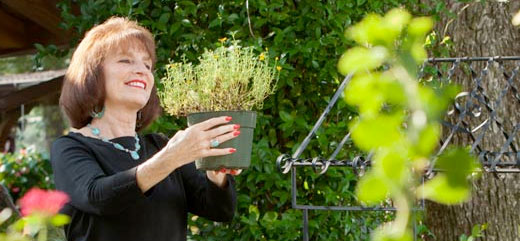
23	170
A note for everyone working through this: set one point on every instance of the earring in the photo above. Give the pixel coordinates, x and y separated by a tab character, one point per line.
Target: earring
98	115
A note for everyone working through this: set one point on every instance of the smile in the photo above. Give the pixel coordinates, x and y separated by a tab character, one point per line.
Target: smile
137	83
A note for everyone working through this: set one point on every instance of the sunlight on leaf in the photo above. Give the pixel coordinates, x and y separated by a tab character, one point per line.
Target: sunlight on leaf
380	131
371	189
361	59
370	91
392	164
420	26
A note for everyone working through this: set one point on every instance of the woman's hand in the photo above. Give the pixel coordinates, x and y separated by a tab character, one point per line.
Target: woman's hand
195	142
219	177
185	147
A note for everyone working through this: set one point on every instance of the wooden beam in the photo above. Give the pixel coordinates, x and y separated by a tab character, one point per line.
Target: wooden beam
41	12
10	40
25	51
30	94
12	24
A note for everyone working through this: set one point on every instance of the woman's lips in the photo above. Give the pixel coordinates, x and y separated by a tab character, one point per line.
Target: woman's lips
137	83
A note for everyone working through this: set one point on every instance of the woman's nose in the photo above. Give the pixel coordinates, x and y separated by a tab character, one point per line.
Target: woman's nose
140	68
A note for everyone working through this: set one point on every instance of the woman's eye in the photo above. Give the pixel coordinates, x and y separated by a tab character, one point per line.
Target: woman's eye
124	61
148	66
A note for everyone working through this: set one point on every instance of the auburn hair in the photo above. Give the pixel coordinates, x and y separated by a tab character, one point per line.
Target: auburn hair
83	88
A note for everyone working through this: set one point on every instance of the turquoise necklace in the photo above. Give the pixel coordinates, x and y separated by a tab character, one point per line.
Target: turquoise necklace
134	154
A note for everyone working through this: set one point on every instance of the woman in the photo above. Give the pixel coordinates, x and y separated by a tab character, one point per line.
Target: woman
124	186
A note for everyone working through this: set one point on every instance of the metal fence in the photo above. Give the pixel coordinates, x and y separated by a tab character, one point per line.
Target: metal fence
482	116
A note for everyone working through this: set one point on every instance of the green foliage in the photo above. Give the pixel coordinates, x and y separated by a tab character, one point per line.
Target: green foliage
399	120
23	170
476	232
227	78
308	36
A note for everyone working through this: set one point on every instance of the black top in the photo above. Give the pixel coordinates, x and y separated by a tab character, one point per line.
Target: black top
106	203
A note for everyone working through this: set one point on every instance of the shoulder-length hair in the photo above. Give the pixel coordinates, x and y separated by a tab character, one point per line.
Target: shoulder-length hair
83	88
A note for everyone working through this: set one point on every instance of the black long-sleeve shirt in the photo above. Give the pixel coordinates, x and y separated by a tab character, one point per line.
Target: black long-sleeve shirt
106	203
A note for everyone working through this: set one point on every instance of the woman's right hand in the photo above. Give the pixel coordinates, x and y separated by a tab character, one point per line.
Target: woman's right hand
185	147
194	142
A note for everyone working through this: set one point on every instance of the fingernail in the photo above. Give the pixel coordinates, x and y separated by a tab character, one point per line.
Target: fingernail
229	118
236	133
232	150
236	127
233	172
223	170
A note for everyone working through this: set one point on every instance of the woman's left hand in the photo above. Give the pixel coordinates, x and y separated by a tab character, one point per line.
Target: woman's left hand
219	177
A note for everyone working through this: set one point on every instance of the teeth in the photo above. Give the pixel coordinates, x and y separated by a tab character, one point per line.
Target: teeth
137	84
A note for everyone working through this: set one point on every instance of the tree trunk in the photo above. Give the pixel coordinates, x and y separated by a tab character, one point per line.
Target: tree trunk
484	29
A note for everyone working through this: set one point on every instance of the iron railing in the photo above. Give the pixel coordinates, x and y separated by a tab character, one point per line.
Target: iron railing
475	115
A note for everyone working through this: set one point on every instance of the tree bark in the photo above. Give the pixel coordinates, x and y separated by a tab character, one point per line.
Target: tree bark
484	29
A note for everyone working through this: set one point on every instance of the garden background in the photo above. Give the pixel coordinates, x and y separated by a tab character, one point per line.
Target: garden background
308	38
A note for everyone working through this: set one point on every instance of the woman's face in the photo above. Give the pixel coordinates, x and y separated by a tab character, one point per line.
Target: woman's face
128	77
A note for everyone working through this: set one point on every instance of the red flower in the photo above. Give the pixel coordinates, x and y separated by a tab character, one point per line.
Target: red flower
40	201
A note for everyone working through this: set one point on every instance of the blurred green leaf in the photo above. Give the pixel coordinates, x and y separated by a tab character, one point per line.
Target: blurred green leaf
361	59
370	91
392	164
420	26
374	132
386	233
371	189
428	139
440	190
457	164
59	220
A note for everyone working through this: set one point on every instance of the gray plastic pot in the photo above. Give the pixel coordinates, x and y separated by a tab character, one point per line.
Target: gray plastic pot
241	159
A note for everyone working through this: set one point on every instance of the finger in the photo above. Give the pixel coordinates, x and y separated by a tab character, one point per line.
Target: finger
208	124
233	172
222	130
219	152
228	136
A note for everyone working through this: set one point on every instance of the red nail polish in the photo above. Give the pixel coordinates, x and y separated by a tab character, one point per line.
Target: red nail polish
236	133
232	150
223	170
236	127
229	118
234	172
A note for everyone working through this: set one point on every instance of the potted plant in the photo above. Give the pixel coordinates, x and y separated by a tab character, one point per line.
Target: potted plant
227	81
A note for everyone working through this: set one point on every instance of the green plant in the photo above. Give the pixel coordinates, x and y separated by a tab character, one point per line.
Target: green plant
476	232
399	120
227	78
23	170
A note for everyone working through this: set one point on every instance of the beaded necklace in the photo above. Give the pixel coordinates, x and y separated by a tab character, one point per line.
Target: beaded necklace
133	154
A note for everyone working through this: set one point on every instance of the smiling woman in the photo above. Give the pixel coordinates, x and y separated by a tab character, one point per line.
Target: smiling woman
124	186
115	42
